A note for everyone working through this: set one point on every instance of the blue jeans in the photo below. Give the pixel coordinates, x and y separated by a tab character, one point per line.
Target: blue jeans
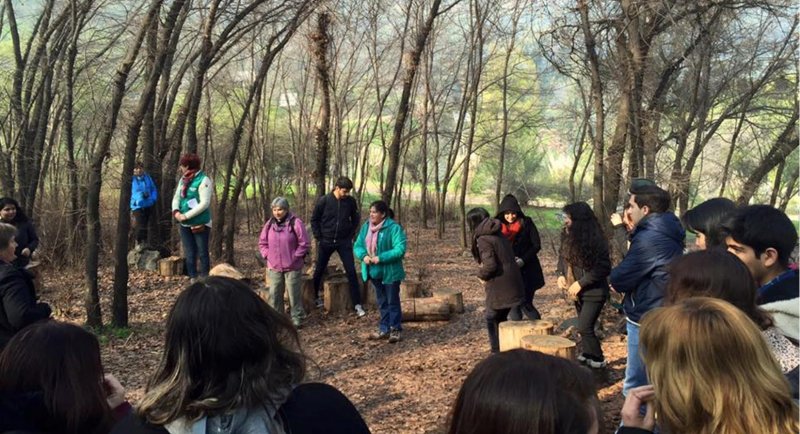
388	297
195	246
635	372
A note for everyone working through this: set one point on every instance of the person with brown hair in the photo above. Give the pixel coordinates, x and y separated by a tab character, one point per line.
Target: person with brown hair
52	381
232	364
191	208
711	373
523	392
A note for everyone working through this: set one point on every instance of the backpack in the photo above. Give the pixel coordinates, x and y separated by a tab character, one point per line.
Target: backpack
290	223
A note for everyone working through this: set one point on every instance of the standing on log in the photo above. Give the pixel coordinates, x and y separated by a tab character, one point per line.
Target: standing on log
143	197
334	224
26	237
191	207
499	273
381	246
520	230
283	245
583	268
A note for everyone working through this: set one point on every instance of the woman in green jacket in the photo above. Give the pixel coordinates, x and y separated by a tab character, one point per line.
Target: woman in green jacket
381	246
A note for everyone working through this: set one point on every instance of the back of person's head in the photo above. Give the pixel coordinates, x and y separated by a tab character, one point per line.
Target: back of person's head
717	274
20	217
475	216
713	372
225	348
344	182
7	232
761	227
654	197
523	392
61	362
584	240
707	218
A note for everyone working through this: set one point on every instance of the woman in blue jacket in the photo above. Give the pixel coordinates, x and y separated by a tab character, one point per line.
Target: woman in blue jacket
143	196
381	246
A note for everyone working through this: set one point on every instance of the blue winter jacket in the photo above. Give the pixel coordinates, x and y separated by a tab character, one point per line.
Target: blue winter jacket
642	275
143	192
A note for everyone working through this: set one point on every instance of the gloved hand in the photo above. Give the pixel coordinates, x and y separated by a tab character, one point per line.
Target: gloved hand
520	262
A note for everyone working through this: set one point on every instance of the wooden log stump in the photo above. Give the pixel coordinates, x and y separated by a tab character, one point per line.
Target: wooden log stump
172	266
226	270
425	309
307	293
511	332
552	345
337	296
410	289
453	298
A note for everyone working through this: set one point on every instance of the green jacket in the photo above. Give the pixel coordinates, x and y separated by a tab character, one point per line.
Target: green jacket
391	249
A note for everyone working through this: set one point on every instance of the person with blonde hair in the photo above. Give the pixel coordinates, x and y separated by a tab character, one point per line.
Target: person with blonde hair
711	371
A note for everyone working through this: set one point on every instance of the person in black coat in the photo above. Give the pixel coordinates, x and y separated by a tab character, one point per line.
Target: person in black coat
583	268
499	272
27	240
520	230
18	305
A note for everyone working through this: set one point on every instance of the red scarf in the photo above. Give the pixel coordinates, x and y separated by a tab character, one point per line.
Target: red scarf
187	179
510	230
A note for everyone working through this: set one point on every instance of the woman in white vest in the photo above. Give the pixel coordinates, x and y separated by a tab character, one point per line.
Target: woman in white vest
191	207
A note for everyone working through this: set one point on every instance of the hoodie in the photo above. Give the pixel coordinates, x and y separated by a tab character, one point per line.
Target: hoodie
526	244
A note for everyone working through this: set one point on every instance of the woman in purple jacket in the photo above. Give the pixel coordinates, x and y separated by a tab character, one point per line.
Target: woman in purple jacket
283	244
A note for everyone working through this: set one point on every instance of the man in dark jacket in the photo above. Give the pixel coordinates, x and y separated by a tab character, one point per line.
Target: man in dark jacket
334	224
657	239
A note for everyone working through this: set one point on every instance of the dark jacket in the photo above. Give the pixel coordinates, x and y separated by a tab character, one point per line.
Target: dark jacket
594	281
18	306
23	413
498	269
335	220
26	238
642	276
526	244
311	408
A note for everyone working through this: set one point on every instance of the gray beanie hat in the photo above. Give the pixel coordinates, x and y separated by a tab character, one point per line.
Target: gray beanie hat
280	202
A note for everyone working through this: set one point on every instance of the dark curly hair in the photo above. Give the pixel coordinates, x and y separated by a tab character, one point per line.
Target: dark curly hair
584	242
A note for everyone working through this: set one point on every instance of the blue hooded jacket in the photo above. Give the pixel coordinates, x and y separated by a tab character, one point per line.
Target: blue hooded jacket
143	192
642	275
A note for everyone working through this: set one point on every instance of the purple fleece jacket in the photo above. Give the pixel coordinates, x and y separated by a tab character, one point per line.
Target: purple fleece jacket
283	248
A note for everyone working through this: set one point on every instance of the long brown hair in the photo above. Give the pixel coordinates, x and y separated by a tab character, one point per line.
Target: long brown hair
225	348
62	362
713	372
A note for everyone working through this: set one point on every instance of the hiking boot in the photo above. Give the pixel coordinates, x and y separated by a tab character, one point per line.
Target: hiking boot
379	336
360	311
582	358
595	362
319	303
394	336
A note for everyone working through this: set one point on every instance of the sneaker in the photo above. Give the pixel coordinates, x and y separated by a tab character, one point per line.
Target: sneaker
319	303
581	358
360	311
596	362
394	336
379	336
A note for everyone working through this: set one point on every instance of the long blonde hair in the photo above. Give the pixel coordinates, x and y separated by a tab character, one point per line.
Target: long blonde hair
713	372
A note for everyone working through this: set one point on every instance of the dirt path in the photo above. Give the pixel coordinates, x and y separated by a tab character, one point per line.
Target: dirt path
402	388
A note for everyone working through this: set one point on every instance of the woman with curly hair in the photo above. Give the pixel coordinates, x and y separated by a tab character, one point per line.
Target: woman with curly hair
711	373
583	269
27	239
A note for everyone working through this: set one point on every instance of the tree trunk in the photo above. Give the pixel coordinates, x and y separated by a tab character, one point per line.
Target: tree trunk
321	41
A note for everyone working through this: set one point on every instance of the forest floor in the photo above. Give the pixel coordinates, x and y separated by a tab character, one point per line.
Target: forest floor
406	387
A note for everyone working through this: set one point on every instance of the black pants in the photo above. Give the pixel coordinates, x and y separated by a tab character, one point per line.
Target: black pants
588	313
141	217
345	251
493	319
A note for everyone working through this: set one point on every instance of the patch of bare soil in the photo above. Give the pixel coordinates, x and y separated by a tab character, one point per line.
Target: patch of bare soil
406	387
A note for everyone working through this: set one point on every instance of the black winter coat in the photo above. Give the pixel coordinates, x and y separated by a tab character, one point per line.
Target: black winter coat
335	220
504	287
18	306
26	238
526	244
593	281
